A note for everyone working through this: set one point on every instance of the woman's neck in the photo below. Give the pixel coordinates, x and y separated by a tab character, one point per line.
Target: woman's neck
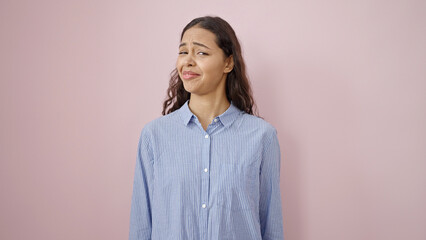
206	109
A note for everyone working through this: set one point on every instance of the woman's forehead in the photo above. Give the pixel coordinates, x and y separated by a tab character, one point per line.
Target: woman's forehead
200	37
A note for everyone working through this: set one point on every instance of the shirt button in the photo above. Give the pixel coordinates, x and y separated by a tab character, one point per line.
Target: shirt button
206	170
215	120
207	136
204	205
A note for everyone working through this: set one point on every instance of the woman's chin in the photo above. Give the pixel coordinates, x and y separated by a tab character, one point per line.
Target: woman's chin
190	87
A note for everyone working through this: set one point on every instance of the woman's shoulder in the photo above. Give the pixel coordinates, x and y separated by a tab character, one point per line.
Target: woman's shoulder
250	121
159	123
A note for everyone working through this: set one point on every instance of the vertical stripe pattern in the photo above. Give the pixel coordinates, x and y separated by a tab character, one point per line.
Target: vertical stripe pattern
214	184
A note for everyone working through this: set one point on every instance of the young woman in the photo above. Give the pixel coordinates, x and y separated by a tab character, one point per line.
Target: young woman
209	168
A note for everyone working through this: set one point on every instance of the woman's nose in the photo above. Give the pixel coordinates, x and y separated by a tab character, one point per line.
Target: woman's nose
189	60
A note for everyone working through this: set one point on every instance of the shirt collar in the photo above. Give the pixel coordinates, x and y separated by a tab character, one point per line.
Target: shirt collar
226	117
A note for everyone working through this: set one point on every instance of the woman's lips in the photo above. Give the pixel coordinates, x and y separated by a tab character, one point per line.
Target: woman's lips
189	75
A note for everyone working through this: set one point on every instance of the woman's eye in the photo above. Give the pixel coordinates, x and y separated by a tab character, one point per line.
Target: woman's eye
203	53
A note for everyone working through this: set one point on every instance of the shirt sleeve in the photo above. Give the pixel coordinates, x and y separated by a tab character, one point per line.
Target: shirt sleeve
270	210
140	213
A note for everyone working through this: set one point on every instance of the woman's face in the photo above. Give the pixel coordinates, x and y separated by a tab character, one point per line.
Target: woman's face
201	64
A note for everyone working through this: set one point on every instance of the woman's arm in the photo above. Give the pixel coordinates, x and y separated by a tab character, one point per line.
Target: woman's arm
140	213
270	210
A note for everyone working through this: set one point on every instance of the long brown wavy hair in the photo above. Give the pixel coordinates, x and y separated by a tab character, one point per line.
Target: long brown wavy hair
238	89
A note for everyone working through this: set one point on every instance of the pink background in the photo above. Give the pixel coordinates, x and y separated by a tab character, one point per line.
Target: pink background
344	83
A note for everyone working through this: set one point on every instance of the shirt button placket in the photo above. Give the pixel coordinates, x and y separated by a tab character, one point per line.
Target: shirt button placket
205	161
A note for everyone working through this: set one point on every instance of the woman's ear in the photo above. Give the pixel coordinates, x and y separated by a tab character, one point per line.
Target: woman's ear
229	64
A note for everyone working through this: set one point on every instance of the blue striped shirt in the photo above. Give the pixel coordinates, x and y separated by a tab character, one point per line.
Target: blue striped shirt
215	184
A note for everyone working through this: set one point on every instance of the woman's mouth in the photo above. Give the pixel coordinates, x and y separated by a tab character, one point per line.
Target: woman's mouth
189	75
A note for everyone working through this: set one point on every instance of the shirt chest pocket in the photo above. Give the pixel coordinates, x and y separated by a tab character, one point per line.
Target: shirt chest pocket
238	185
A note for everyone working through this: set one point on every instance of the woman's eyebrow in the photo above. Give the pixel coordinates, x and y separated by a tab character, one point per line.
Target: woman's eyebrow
195	43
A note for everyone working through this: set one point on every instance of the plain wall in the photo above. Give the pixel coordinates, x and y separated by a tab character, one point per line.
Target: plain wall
344	83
